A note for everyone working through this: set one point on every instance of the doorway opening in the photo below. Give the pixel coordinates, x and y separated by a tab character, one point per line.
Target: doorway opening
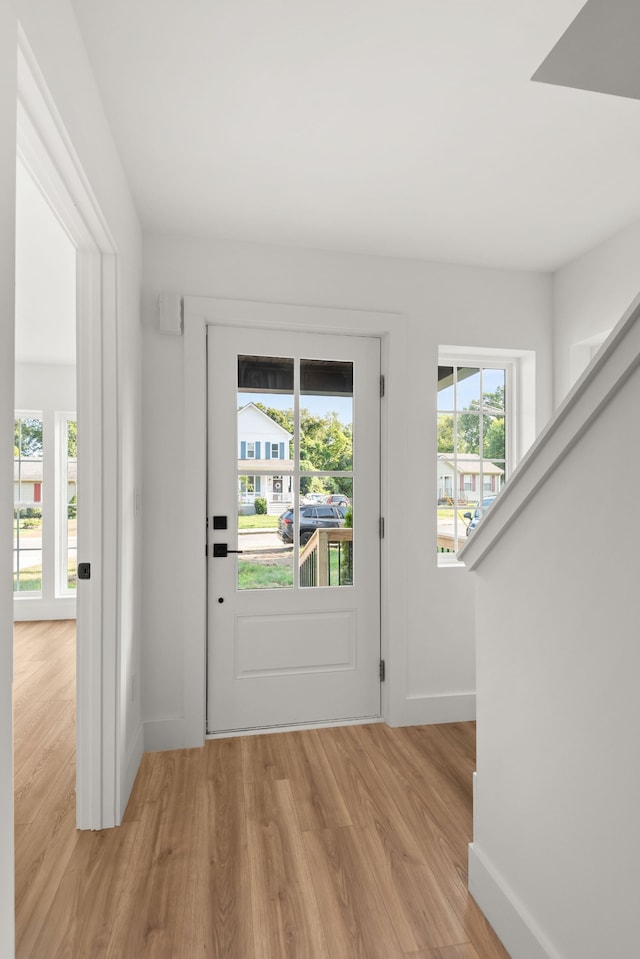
45	511
44	151
45	437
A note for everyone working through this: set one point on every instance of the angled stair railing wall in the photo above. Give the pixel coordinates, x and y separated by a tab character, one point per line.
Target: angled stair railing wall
554	858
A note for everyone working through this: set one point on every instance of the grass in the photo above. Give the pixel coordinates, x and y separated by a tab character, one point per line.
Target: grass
263	575
276	575
31	579
258	521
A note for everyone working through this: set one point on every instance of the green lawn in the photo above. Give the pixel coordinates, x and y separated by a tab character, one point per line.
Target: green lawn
263	576
274	575
31	579
258	521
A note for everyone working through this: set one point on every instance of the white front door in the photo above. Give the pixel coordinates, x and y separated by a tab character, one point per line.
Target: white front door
294	616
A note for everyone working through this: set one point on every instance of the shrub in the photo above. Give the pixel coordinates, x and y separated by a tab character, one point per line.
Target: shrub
260	504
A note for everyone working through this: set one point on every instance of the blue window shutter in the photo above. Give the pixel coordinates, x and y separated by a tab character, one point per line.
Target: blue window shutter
258	478
257	450
282	451
243	449
267	451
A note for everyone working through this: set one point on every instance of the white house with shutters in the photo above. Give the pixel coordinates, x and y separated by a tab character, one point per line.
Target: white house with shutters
466	477
263	459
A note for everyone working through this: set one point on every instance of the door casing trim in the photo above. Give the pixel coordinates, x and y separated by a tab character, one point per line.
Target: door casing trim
391	328
45	148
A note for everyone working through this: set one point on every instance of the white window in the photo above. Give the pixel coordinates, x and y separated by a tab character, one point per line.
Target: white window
45	507
275	451
475	426
28	503
251	451
67	482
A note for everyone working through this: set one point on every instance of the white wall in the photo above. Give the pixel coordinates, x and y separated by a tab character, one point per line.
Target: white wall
48	388
443	304
590	295
554	862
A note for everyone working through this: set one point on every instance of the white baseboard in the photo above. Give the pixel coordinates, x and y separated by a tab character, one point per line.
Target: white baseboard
516	929
31	610
134	755
430	710
162	734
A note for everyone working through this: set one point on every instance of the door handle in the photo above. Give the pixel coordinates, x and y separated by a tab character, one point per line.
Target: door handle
221	549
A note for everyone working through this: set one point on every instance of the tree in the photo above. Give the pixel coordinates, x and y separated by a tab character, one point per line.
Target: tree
492	426
445	433
494	448
72	439
326	444
27	440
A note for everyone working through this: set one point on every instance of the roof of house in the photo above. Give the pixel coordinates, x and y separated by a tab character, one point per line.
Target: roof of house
252	408
30	470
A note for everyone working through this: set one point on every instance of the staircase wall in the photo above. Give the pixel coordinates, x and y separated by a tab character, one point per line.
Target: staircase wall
554	859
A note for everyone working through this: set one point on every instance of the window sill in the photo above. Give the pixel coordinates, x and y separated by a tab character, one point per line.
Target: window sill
449	561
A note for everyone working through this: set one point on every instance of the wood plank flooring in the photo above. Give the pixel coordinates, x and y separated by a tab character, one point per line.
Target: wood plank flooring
323	844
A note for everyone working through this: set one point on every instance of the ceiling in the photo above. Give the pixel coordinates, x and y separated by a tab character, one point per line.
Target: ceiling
397	127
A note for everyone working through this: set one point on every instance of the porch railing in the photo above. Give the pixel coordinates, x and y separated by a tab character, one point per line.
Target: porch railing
327	559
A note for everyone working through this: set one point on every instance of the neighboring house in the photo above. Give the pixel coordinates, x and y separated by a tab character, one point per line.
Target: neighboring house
28	478
462	477
263	445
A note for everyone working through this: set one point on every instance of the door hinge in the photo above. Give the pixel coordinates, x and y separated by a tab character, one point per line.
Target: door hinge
381	527
382	671
382	384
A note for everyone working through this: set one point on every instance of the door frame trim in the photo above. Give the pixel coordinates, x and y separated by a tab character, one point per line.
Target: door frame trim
47	152
392	330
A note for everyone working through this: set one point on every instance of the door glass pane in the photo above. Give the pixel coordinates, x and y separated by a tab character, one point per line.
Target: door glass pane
265	434
326	532
274	526
28	504
326	415
326	444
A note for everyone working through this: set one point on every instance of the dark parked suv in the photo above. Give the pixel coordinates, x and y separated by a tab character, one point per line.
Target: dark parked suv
312	518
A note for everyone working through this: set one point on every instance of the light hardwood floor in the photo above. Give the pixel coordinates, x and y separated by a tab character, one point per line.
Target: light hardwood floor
336	843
